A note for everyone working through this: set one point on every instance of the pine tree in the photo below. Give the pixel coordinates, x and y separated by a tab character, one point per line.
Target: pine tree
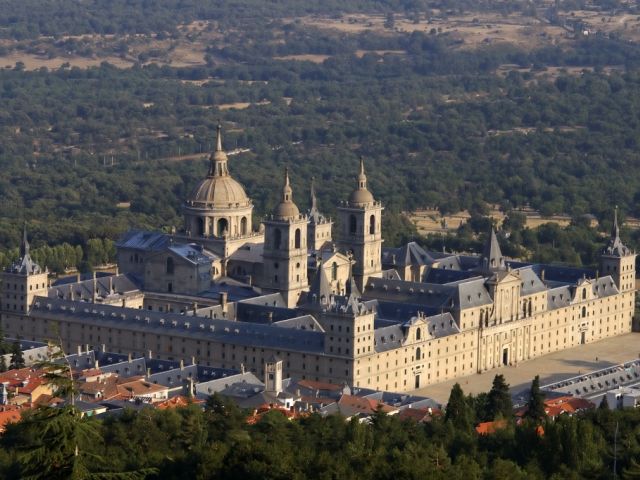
535	405
458	411
500	404
17	359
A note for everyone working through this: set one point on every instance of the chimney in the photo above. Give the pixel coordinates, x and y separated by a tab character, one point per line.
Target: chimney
148	372
71	292
96	364
181	364
242	368
117	270
223	301
191	386
78	277
103	347
130	357
149	354
270	317
193	360
79	349
95	288
195	308
110	285
542	275
86	348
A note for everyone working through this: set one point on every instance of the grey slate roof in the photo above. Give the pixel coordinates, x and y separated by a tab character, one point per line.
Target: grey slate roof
201	328
120	284
409	254
142	240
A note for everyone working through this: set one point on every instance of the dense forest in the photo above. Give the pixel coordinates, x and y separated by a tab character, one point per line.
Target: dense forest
218	443
89	153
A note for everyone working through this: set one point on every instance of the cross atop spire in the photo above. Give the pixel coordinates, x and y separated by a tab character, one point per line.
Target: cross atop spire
218	159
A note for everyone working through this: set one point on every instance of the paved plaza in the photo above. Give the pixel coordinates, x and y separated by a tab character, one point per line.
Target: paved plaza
551	368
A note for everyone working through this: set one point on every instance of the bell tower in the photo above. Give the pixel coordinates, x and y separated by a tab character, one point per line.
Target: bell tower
360	231
20	283
618	261
285	248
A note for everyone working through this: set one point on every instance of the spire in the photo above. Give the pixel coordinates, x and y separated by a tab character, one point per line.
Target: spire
286	209
492	258
615	230
24	246
314	202
314	214
362	177
361	196
219	138
287	192
615	245
218	159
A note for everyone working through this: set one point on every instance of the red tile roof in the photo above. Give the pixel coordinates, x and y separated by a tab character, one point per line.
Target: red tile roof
488	428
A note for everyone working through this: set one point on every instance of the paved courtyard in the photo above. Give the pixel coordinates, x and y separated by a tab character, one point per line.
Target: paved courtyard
551	368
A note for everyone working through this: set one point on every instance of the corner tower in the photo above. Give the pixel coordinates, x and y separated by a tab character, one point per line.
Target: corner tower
285	248
618	261
21	282
360	221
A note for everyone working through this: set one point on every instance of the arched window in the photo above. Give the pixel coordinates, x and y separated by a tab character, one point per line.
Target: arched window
418	333
584	312
353	224
372	224
334	271
170	266
277	238
584	293
201	226
243	226
418	354
223	227
297	238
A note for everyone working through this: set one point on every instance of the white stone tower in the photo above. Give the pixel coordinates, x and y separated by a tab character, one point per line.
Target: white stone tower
285	249
360	230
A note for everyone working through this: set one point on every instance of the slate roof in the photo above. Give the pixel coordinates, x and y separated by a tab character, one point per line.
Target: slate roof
144	241
409	254
120	284
225	331
248	253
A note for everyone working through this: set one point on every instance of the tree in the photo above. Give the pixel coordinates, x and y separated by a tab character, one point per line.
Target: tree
3	363
17	358
535	405
458	411
500	404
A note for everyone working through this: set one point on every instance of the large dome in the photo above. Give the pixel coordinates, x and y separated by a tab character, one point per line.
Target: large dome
218	192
